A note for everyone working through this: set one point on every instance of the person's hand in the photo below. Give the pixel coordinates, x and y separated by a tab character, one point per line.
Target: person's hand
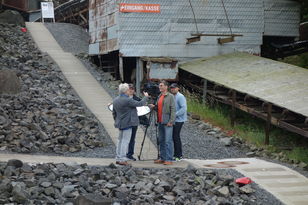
151	106
146	94
169	124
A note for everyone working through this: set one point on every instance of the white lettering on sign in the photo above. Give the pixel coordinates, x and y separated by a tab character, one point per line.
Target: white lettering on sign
144	8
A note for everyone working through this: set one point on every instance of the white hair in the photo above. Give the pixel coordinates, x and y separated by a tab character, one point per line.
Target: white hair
123	87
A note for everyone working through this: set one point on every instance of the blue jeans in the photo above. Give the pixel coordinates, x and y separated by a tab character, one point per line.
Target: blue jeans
122	146
131	145
165	142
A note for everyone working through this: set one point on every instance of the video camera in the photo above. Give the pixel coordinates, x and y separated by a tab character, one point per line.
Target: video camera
152	89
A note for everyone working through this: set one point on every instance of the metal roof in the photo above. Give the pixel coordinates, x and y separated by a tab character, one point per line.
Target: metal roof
279	83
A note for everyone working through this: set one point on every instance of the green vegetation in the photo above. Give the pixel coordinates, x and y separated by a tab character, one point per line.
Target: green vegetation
304	11
298	60
251	129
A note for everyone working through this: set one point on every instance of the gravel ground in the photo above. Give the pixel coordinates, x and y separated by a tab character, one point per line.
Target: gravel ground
76	41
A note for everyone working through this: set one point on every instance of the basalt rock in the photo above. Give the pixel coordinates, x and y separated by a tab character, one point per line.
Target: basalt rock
46	115
9	82
12	17
59	184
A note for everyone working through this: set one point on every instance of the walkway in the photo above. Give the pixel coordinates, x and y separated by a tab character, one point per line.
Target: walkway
85	85
285	184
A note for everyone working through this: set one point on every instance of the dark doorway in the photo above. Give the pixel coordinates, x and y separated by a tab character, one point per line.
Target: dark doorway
129	69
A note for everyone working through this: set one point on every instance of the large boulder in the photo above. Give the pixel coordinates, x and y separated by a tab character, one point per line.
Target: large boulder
12	17
9	82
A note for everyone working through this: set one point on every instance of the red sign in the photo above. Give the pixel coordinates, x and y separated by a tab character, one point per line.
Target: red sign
143	8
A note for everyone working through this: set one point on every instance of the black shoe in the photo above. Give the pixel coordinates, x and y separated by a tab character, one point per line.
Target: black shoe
132	158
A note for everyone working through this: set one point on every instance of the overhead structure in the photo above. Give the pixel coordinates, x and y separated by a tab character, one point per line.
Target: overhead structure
271	90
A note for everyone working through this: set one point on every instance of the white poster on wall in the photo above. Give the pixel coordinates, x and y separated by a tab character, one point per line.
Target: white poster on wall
47	10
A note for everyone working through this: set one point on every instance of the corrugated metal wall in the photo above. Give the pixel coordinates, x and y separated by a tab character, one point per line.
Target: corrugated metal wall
282	18
165	33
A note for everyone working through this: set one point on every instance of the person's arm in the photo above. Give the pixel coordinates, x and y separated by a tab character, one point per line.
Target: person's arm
182	105
135	97
134	103
172	111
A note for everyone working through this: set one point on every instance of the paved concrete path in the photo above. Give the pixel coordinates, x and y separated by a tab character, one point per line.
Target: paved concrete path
287	185
86	86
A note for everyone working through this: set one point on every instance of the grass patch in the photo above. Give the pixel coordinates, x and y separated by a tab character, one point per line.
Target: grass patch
298	60
251	129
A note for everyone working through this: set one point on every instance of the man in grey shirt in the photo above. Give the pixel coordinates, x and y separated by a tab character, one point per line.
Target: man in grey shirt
125	116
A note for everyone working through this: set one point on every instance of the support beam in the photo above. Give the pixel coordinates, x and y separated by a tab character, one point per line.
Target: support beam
100	62
268	123
83	18
121	68
233	108
204	91
139	69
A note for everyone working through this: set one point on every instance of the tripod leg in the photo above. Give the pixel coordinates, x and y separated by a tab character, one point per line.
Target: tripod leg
157	142
145	134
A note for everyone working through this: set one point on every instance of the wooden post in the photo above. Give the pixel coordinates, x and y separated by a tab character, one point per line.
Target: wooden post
139	66
268	123
100	62
233	108
204	91
121	68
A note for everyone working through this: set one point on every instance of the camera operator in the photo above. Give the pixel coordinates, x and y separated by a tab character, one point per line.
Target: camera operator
143	121
165	106
125	116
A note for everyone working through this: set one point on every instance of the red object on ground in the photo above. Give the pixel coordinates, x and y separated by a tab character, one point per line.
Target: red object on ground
243	180
23	29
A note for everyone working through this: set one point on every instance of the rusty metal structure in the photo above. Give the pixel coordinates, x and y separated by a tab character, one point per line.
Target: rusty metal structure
273	91
75	12
70	11
22	5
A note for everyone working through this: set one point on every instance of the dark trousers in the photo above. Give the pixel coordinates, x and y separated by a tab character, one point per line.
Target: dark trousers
131	145
177	139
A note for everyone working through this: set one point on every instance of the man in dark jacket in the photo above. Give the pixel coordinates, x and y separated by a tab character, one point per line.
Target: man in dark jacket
143	121
125	116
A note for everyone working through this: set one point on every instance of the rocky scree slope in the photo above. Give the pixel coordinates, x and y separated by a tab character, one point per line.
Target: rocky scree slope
46	116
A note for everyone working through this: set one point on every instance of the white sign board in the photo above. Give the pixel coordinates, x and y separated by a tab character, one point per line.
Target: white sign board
47	10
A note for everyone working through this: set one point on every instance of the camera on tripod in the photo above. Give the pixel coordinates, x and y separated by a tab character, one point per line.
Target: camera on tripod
152	89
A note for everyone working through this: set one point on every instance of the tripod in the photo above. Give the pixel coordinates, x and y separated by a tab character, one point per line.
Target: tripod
145	133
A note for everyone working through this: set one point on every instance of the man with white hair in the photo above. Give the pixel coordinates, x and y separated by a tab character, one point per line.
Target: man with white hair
125	116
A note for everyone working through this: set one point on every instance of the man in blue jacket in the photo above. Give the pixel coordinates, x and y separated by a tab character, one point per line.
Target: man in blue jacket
180	118
125	116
